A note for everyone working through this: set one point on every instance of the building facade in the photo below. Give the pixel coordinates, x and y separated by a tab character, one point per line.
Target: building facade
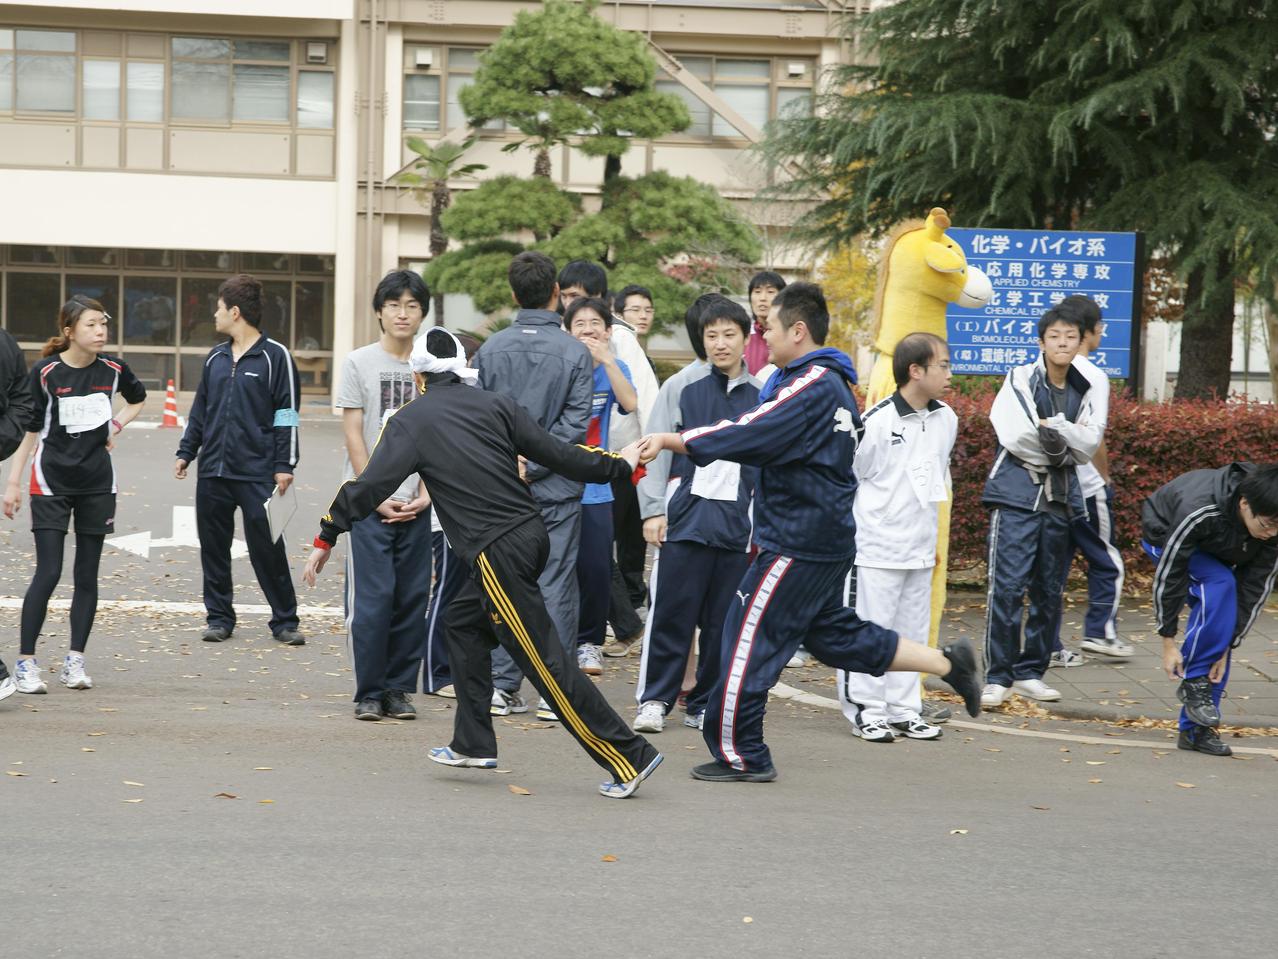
150	148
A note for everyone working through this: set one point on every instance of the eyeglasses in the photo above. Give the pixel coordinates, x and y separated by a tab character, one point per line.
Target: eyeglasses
643	310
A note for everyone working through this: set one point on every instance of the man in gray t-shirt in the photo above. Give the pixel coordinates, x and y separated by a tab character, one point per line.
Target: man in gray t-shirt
389	559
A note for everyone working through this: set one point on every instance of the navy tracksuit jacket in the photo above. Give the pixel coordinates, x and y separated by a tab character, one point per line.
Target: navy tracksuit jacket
243	429
803	438
697	569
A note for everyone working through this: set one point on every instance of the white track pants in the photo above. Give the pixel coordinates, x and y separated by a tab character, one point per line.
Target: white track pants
900	599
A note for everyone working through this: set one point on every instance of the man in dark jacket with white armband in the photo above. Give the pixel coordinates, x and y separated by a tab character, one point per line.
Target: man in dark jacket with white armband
15	410
465	444
1213	535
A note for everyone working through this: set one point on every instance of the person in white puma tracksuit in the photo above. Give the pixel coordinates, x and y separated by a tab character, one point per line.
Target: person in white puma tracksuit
902	471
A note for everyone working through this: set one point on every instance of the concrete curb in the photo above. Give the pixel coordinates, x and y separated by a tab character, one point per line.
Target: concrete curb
1074	710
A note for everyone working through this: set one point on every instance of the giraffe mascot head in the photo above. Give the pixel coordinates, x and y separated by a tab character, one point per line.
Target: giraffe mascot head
923	270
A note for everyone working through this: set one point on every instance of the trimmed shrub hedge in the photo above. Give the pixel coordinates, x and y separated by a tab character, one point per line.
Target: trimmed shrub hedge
1149	444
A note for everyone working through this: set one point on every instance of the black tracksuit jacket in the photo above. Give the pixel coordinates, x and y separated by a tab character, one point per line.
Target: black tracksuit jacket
464	443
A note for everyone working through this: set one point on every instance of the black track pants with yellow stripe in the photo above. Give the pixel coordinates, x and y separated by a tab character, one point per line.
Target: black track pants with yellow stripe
502	604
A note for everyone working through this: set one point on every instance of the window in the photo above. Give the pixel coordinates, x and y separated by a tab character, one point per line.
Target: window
201	91
315	100
434	78
44	71
104	289
144	101
32	301
149	310
261	93
101	90
199	303
6	70
759	90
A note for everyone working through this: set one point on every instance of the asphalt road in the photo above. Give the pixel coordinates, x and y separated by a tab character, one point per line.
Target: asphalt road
220	801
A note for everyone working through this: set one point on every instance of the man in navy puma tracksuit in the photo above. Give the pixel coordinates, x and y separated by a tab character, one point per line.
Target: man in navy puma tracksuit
803	438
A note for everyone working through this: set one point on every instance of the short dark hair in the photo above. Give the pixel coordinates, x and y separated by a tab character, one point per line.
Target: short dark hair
245	292
398	282
588	275
532	279
598	304
725	309
1069	316
1260	488
693	323
766	278
915	349
441	343
1086	309
634	289
806	302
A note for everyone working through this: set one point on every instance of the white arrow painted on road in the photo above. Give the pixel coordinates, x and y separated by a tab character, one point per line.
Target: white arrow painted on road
184	534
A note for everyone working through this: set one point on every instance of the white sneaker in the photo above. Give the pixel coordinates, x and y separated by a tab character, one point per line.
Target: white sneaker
72	675
7	687
545	713
798	660
1065	658
695	721
446	757
1036	689
1114	648
994	695
505	703
589	660
651	718
29	679
875	731
915	728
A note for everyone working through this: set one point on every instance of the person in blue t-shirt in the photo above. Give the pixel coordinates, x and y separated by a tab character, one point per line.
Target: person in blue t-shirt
590	320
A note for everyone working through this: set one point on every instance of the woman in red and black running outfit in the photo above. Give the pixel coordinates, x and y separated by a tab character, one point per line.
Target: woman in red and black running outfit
72	430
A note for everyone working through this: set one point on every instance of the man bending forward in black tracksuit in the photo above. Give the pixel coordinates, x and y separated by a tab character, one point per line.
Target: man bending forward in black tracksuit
465	444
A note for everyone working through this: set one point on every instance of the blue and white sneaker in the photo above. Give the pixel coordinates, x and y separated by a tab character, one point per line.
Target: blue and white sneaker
29	679
627	789
445	756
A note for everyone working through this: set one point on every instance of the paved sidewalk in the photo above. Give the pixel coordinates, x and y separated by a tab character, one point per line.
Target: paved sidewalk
1117	689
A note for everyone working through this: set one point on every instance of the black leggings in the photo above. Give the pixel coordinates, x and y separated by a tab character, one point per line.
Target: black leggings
84	601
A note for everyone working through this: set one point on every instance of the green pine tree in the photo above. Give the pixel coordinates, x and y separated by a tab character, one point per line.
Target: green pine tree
1150	115
563	75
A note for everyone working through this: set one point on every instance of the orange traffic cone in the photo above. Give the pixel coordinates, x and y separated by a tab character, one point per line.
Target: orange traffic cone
170	406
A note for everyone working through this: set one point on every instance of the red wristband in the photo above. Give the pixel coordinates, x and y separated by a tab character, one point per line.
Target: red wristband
119	428
321	544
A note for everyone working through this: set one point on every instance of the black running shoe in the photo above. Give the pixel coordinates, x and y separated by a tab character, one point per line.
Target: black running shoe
290	637
397	705
216	634
964	678
1196	695
717	772
370	709
1203	739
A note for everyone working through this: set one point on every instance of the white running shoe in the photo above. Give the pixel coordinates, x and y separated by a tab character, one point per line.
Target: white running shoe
589	660
7	686
29	679
73	675
1066	658
1114	648
695	720
545	713
875	731
651	718
994	695
505	703
798	660
446	757
916	728
1036	689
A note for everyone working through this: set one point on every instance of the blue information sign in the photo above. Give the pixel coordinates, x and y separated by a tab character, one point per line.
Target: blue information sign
1031	270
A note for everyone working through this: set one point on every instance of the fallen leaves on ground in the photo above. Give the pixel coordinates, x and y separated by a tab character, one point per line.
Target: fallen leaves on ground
609	858
225	796
1187	785
519	790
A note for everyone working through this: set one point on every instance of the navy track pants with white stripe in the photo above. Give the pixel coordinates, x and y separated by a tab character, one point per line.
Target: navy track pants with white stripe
1213	614
782	602
1094	538
449	576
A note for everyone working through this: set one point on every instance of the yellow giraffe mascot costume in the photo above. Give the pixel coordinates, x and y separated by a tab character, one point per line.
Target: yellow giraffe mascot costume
923	270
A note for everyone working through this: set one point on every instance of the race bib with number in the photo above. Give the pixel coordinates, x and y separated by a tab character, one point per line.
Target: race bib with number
79	414
720	481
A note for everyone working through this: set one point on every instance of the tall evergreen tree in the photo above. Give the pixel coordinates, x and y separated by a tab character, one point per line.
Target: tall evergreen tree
561	75
1150	115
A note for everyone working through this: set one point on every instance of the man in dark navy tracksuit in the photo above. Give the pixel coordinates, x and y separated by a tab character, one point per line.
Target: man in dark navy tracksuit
1214	535
243	426
803	438
699	520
